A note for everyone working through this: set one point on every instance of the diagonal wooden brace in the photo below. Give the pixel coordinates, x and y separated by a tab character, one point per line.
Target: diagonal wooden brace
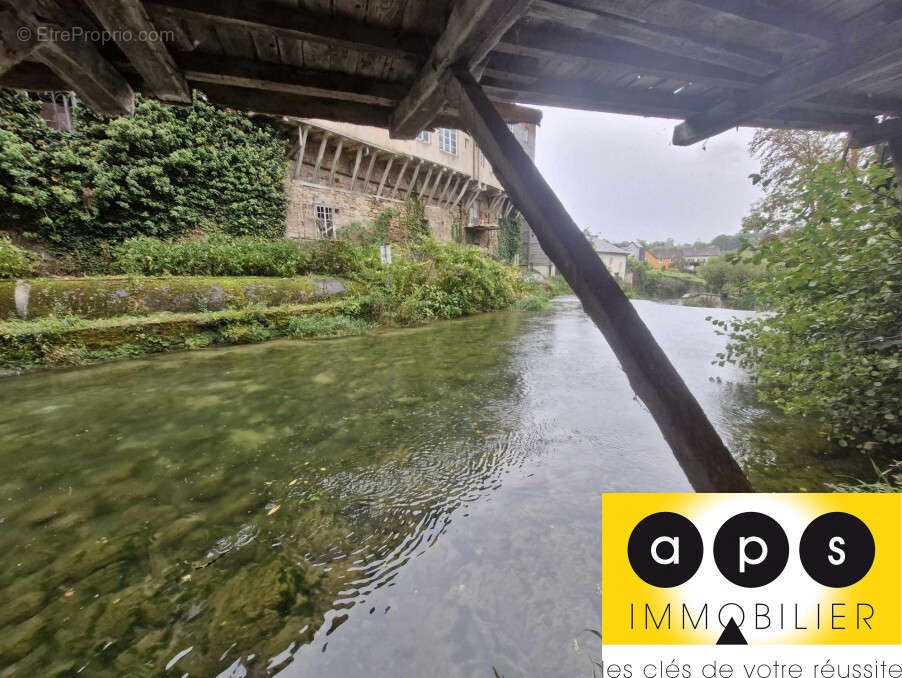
697	447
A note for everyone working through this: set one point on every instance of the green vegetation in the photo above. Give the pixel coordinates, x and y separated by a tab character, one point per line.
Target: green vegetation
224	255
533	302
509	237
15	262
165	172
326	326
831	350
732	277
650	283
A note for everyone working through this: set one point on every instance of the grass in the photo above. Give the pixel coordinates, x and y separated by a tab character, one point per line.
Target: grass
531	303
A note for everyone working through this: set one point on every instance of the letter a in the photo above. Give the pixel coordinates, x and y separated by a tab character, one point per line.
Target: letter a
674	558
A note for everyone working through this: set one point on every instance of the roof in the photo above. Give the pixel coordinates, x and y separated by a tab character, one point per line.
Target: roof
606	246
716	64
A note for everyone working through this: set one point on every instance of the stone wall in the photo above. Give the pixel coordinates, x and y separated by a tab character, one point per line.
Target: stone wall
349	208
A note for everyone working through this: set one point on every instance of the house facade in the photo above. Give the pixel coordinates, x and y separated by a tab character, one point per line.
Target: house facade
344	174
612	256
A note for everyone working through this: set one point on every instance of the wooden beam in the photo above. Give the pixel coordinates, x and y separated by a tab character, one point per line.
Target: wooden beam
693	44
461	194
568	44
895	149
227	70
697	447
356	167
128	23
473	28
877	133
446	194
812	78
438	179
782	15
472	199
399	178
388	165
319	156
425	186
13	49
295	23
335	160
413	180
303	132
281	103
369	171
88	74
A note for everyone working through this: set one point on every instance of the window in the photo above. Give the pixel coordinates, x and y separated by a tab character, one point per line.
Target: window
424	137
447	140
325	226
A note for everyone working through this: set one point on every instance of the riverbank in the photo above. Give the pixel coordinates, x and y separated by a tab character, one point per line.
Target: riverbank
80	321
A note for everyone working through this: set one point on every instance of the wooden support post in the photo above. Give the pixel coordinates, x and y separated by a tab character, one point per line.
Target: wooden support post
508	209
461	194
369	172
394	191
128	21
302	148
12	48
335	159
413	180
438	180
450	189
319	156
425	187
895	150
356	168
388	165
472	199
697	447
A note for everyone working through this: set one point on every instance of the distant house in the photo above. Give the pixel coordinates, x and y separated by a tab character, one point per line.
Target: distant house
693	257
613	257
655	261
636	251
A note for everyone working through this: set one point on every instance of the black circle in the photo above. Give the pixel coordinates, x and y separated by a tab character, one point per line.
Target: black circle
819	552
670	527
746	571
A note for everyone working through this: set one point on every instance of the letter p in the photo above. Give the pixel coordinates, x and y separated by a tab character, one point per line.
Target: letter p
744	558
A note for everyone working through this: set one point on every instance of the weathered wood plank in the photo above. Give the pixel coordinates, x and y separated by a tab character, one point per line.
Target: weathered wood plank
681	42
438	180
548	41
810	79
779	15
225	70
460	195
399	178
356	169
391	160
876	133
369	172
705	459
303	133
472	30
299	24
13	49
319	156
413	180
336	158
128	21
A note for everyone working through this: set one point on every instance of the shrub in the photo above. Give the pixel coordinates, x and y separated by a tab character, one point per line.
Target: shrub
15	262
164	172
432	280
532	303
226	256
326	326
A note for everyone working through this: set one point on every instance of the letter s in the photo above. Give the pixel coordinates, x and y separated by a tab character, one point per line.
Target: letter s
840	556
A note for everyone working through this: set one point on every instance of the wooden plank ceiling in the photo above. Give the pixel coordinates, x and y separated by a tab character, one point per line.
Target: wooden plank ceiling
714	64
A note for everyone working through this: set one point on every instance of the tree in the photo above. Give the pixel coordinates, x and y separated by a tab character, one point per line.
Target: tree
832	347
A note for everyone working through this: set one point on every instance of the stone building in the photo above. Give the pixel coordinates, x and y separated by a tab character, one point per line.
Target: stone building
612	256
345	174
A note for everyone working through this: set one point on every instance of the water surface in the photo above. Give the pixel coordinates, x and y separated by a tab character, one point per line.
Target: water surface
411	502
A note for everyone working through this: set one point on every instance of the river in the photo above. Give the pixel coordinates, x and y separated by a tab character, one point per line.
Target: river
410	502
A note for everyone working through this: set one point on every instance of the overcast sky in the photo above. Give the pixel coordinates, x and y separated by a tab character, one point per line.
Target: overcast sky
621	177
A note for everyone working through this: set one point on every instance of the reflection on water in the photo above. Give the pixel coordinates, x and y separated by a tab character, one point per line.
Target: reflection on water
425	499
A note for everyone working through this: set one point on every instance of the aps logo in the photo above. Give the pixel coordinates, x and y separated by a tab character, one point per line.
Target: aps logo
751	549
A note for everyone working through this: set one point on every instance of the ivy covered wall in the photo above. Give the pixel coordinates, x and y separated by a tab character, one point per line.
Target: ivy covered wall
166	172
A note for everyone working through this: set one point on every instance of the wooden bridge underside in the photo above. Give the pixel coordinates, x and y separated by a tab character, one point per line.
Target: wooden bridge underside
409	65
